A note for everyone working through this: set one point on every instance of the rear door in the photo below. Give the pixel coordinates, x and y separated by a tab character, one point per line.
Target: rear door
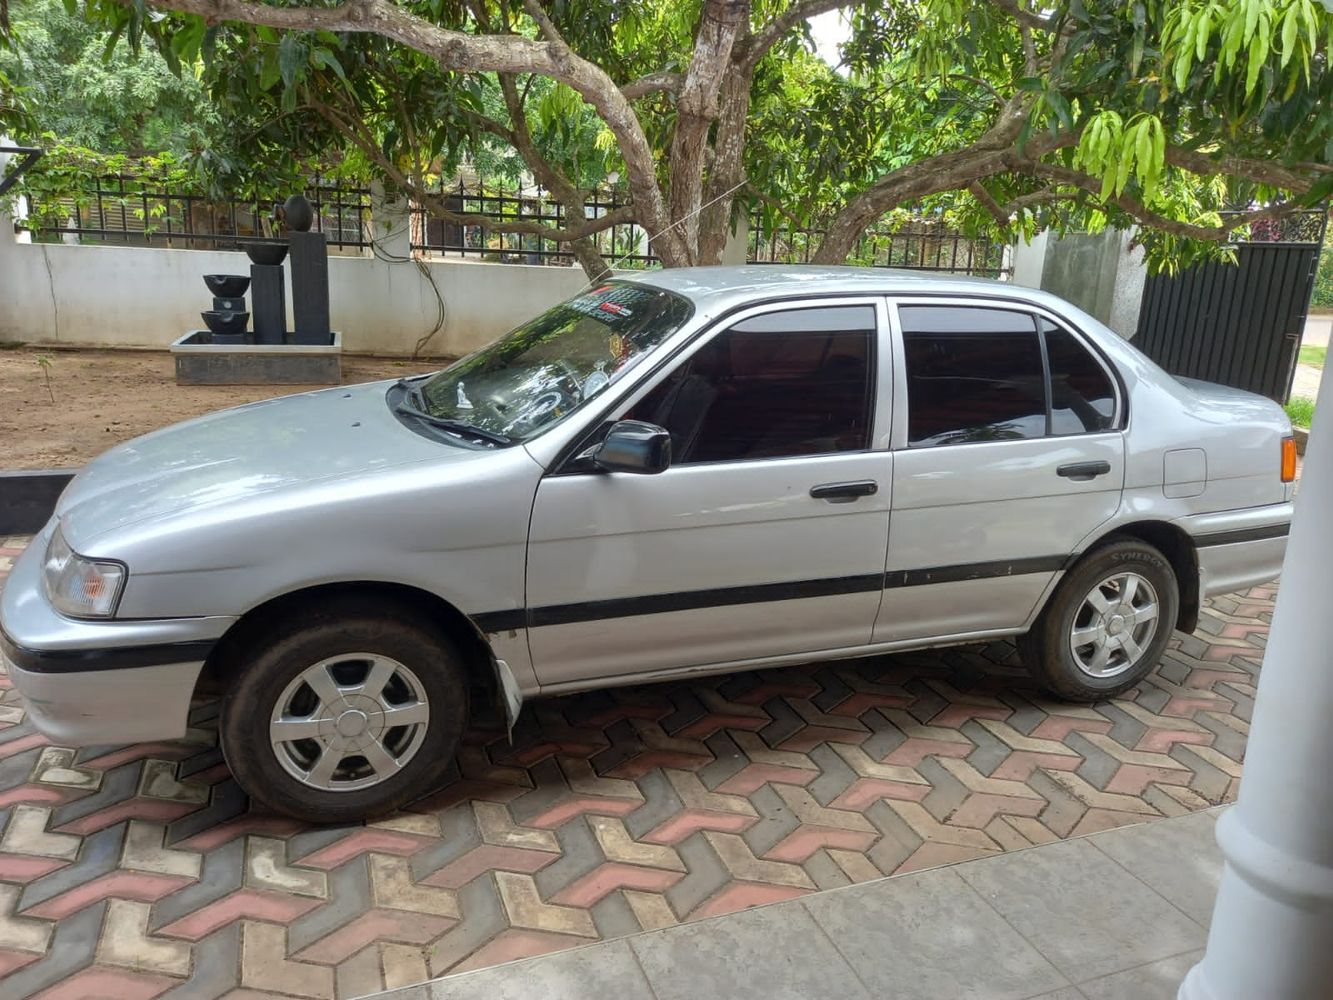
765	537
1008	453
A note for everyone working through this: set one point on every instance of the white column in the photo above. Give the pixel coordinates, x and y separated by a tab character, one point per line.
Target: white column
1272	929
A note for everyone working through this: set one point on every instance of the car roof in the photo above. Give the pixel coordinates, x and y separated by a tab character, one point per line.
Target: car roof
731	285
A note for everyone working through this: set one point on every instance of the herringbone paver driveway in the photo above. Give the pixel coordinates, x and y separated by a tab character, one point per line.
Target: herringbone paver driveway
140	871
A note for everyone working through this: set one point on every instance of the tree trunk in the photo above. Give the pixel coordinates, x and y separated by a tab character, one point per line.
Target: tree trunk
721	25
728	164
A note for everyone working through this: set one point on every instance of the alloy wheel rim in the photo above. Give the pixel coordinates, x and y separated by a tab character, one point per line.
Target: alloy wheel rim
349	722
1114	625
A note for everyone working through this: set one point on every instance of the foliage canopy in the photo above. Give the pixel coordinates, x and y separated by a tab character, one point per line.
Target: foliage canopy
1006	117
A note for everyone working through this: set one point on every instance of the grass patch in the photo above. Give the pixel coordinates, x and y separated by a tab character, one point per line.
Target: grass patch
1311	355
1301	411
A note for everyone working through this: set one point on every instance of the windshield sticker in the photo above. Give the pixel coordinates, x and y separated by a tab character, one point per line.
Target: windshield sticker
608	303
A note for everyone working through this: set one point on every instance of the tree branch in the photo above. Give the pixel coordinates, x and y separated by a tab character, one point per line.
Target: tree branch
551	177
1258	171
771	33
435	203
652	83
1132	206
544	23
461	52
1025	17
992	206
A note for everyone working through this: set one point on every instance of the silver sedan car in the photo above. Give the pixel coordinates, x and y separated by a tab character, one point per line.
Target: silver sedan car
686	472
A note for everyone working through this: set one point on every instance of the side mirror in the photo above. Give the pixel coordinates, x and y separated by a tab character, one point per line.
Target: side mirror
634	446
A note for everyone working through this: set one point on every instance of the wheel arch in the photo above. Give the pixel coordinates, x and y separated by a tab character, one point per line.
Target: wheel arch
484	675
1178	548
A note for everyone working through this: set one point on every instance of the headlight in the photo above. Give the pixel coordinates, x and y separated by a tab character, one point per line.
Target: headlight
79	587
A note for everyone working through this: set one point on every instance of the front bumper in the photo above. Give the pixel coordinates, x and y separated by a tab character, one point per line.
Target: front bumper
96	707
1239	549
98	682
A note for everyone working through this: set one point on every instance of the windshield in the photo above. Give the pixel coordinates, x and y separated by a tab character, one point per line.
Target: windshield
534	377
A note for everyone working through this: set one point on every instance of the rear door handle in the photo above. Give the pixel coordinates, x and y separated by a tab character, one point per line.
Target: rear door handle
844	492
1084	470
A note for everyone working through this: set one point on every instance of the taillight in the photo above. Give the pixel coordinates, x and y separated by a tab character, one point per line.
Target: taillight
1288	459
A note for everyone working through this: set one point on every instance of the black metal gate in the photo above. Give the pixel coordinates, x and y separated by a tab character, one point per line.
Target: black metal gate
1238	324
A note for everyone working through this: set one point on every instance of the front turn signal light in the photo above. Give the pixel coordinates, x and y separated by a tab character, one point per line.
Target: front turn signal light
1288	459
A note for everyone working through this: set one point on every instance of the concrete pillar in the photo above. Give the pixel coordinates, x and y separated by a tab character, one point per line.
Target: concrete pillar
737	249
1101	273
1029	259
1272	929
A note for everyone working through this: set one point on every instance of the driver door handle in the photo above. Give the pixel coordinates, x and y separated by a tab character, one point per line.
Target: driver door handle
844	492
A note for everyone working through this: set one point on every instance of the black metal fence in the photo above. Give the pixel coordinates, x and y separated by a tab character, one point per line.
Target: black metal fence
922	245
121	211
624	244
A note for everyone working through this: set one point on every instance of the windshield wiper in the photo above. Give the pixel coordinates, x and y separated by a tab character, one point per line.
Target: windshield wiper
444	423
413	391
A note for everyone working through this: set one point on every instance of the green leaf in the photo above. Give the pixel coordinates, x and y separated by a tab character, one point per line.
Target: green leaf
269	73
1290	27
1258	53
291	56
1060	105
1252	8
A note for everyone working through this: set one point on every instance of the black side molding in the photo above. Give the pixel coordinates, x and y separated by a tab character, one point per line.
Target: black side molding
1243	535
74	661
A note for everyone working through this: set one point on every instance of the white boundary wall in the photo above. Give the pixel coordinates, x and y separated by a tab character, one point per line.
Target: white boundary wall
52	293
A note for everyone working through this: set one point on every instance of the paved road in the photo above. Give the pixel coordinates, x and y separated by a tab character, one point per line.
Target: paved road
141	871
1317	329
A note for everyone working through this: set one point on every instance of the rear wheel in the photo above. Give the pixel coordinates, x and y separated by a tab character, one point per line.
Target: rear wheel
350	716
1107	624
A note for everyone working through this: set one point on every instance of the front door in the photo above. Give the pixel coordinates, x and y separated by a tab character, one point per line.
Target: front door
765	537
1009	454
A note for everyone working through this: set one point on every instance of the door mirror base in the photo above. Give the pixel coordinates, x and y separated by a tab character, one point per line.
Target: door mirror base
634	446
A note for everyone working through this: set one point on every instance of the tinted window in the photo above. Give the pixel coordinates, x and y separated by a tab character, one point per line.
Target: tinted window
973	374
797	382
1082	398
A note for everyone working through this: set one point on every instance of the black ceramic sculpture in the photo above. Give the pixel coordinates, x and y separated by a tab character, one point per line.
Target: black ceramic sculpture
226	326
269	253
227	286
296	214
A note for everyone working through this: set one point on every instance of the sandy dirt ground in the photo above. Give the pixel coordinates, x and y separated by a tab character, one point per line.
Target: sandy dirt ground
102	398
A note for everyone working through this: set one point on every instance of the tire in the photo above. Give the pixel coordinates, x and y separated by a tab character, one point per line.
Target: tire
374	666
1124	644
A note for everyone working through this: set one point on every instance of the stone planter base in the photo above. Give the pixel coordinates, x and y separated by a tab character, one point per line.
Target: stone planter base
199	361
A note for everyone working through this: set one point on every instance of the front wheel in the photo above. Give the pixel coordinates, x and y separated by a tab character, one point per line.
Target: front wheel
347	717
1107	624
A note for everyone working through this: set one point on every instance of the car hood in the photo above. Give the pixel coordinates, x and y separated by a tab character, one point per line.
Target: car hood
233	455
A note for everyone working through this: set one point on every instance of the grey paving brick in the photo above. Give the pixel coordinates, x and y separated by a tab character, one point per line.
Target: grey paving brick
99	854
660	803
215	967
704	875
72	947
222	873
579	854
775	821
